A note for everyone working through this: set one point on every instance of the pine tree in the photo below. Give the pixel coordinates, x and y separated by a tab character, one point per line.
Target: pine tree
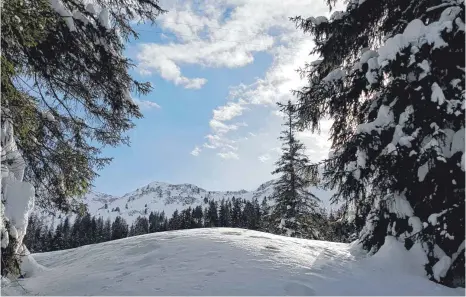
212	215
265	210
391	78
295	206
198	216
65	87
224	214
107	230
236	213
58	240
119	228
175	221
141	226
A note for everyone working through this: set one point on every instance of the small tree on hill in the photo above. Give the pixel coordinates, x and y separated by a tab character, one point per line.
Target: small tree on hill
295	205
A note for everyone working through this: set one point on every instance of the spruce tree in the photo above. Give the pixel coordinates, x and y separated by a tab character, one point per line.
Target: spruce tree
224	214
120	228
265	210
295	206
66	88
391	78
107	230
198	216
141	226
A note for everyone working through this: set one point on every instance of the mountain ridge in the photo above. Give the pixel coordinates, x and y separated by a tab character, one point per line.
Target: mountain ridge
166	197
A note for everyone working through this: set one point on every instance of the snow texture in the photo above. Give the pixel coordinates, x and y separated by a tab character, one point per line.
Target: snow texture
384	118
337	15
440	268
61	9
317	20
227	261
316	62
437	94
104	18
422	171
17	196
417	34
399	205
433	218
334	75
416	224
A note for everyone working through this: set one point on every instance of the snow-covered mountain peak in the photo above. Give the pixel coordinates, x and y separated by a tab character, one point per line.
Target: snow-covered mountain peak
161	196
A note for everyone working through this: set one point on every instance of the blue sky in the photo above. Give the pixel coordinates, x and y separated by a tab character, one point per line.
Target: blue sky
217	72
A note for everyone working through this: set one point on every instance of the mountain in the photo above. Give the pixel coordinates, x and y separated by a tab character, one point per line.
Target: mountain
160	196
225	261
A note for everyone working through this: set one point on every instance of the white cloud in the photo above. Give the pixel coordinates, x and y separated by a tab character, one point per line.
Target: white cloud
221	128
196	151
150	58
264	158
203	38
228	155
145	104
228	112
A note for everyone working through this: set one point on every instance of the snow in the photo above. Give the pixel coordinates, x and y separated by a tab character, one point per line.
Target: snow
317	20
463	162
399	205
160	196
336	74
384	118
416	224
440	268
337	15
104	18
371	75
437	94
29	266
425	66
422	171
19	202
366	55
49	116
417	34
90	7
228	261
457	144
457	253
393	256
316	62
433	218
61	9
5	239
80	16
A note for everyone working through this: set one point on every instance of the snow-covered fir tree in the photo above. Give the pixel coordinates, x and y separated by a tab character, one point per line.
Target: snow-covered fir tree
295	206
391	77
66	94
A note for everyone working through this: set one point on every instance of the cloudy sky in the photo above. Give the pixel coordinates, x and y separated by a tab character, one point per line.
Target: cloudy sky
218	67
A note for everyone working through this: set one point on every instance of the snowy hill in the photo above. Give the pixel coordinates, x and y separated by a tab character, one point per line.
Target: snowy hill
159	196
226	261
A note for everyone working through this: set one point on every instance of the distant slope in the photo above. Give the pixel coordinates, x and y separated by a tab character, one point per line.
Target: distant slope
159	196
226	261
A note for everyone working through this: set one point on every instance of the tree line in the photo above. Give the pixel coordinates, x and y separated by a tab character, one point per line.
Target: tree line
236	213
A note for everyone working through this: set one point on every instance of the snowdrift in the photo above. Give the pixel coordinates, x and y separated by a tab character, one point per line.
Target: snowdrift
227	261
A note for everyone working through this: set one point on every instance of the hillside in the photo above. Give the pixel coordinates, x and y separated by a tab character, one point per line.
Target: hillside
225	261
159	196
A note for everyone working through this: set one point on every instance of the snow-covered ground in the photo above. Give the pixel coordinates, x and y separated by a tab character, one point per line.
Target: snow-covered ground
227	261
